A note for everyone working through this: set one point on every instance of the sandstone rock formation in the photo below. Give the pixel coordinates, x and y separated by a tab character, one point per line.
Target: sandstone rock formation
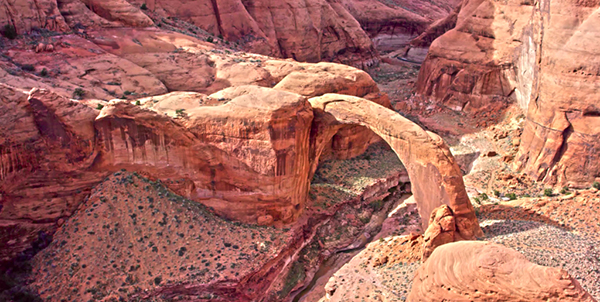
435	177
539	55
312	31
483	271
441	230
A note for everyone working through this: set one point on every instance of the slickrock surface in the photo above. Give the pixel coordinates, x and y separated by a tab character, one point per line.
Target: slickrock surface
490	272
539	55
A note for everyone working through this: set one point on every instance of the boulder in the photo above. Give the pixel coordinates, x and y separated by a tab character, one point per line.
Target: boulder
483	271
441	230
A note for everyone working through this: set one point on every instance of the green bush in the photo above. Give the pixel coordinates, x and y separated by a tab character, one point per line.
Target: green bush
496	193
137	103
143	7
476	199
596	185
100	106
9	31
44	72
548	192
511	196
210	40
565	190
483	196
78	93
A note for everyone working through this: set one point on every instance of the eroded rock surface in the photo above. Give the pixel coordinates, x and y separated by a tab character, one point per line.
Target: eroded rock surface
483	271
539	55
441	230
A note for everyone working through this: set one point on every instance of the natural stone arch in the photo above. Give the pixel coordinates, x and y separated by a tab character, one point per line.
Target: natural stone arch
435	177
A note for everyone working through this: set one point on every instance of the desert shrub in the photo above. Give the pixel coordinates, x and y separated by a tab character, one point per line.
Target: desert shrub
180	112
376	205
210	40
9	31
476	199
548	192
511	196
78	93
143	7
28	67
137	103
496	193
596	185
483	196
100	106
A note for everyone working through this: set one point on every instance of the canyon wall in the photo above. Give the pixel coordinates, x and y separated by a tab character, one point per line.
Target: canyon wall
541	56
310	31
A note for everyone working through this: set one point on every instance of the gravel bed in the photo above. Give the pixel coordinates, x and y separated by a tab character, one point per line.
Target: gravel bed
398	278
550	246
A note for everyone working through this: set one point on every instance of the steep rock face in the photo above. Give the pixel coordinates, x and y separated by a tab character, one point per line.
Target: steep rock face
540	55
63	15
25	15
472	67
46	150
245	156
309	31
483	271
393	23
435	177
560	141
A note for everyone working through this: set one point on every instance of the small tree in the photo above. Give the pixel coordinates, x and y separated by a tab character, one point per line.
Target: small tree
143	7
548	192
9	31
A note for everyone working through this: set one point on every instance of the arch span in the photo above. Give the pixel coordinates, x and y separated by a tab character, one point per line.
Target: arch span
435	177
